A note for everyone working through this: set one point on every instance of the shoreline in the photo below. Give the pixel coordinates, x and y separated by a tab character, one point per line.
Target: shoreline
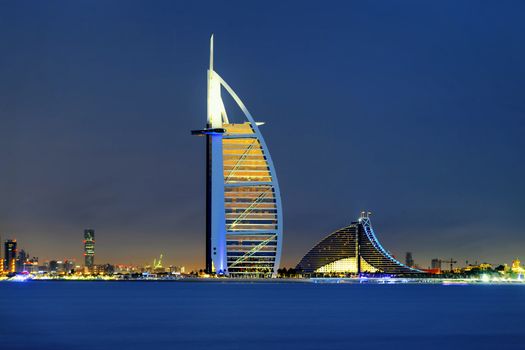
365	280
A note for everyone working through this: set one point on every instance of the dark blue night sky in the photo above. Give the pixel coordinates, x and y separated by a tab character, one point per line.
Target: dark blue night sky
414	110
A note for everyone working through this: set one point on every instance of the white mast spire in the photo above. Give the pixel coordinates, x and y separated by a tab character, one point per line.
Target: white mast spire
216	111
211	53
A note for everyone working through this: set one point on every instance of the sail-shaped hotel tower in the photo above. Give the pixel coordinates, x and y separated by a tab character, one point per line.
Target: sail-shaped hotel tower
243	201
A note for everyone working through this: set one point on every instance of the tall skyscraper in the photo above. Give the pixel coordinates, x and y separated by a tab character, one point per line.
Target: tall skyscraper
409	261
89	248
243	201
10	255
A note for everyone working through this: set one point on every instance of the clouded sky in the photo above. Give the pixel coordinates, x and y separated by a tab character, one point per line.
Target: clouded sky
411	109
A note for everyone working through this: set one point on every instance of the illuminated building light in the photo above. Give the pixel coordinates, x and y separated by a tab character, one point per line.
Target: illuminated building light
339	253
10	252
346	265
244	215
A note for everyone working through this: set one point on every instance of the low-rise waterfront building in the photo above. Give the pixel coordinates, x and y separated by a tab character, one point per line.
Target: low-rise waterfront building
354	249
516	267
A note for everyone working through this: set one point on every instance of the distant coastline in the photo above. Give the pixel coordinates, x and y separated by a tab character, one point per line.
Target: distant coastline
335	280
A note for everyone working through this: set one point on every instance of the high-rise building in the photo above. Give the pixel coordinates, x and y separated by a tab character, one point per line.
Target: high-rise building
89	248
69	266
31	265
10	255
53	266
21	260
409	261
435	264
243	201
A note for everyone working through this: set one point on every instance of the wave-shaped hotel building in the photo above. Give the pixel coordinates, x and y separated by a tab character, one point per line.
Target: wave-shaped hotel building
243	201
353	249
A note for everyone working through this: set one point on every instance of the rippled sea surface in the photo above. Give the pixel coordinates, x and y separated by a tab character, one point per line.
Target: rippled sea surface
203	315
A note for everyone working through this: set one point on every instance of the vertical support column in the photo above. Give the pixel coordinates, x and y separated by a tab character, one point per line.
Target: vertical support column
358	248
217	215
208	253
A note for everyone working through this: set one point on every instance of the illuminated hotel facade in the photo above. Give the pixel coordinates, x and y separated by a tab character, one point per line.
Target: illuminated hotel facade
243	201
354	249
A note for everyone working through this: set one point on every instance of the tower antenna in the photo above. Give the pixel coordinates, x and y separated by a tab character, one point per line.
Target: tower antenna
211	53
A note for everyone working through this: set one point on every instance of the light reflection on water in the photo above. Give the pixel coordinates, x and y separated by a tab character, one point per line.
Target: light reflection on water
155	315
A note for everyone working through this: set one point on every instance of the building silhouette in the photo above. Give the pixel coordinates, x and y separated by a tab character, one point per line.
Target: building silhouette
69	266
243	201
435	264
53	266
21	260
89	248
352	250
409	261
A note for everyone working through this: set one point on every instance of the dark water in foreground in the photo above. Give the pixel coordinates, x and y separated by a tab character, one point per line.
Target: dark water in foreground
130	315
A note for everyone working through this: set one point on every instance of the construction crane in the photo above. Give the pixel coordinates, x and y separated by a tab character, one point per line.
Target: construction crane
157	264
451	262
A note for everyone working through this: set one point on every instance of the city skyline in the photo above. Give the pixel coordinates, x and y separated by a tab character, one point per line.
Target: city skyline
95	127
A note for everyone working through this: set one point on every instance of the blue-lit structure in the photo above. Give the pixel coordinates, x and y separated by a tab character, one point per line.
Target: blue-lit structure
243	200
354	249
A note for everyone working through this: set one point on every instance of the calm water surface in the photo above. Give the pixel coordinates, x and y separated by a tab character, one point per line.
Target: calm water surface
156	315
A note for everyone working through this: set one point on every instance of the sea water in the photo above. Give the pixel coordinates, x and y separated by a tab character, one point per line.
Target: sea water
40	315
